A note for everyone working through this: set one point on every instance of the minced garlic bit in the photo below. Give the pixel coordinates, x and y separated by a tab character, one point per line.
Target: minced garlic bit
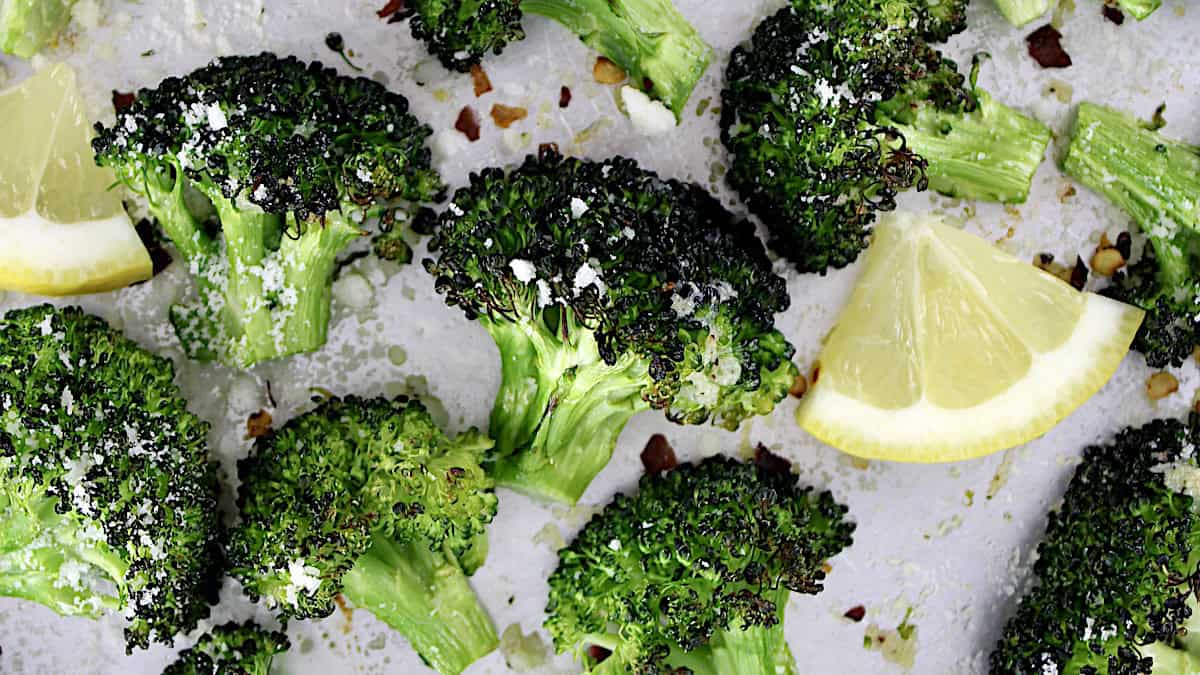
1161	385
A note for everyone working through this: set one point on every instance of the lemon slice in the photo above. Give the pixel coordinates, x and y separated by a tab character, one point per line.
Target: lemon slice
62	231
952	349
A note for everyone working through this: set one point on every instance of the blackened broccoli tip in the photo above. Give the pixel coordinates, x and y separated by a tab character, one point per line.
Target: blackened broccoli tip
1156	181
733	539
609	291
107	493
832	109
296	159
370	499
231	649
658	48
1116	575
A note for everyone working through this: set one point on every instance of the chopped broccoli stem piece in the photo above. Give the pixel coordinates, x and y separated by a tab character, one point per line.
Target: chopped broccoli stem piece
1021	12
662	53
405	585
1139	9
26	26
1156	180
990	153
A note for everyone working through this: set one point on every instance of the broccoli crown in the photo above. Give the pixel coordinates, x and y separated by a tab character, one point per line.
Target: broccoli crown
461	32
286	136
315	494
1171	330
657	270
832	109
294	159
1117	568
1156	180
660	50
105	479
231	649
701	551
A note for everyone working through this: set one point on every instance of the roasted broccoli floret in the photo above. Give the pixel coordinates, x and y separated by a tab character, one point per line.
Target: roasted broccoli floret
370	499
26	26
231	649
294	159
694	571
661	52
107	493
1156	181
1117	572
834	108
609	291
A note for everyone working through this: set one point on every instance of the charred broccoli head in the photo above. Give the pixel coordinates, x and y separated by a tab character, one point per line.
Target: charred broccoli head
1156	181
107	494
231	649
694	571
294	159
609	291
832	109
1117	572
370	499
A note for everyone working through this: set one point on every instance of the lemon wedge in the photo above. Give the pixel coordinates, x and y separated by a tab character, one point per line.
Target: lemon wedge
952	349
62	231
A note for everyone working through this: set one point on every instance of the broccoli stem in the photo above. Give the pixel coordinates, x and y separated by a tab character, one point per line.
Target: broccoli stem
989	154
1139	9
1021	12
308	264
1171	661
560	408
659	49
426	597
164	191
1152	178
43	559
757	649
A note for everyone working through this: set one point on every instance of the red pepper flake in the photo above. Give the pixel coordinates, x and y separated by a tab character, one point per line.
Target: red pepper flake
468	123
258	425
658	456
396	11
505	116
564	97
598	653
548	151
1114	14
856	613
770	462
1045	46
122	100
480	78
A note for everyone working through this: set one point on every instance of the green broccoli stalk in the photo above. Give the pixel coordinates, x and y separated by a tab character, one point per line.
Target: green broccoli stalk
1139	9
694	572
368	498
662	53
107	493
26	26
1156	181
294	159
231	649
1021	12
609	291
1117	571
833	109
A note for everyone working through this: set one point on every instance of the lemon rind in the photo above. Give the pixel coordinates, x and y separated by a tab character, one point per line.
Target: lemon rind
1058	382
55	259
